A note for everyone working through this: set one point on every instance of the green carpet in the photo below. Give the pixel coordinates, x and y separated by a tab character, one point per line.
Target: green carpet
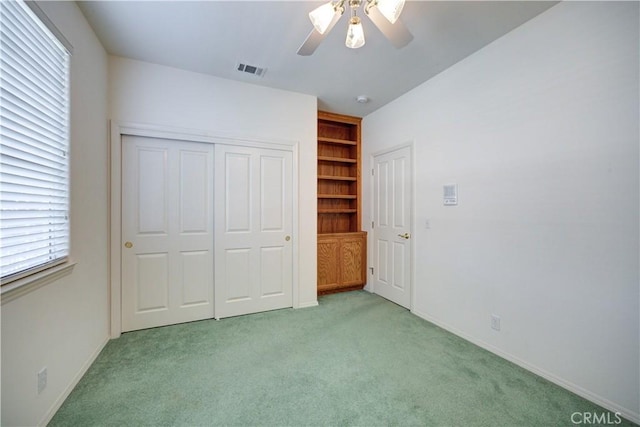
357	359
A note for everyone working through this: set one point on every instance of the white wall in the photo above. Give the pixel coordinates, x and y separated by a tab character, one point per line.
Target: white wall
540	132
64	324
153	94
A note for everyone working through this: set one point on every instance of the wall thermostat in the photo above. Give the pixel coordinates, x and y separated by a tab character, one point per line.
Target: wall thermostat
450	194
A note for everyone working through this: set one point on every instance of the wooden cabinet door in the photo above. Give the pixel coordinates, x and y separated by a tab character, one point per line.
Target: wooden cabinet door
342	261
328	263
351	254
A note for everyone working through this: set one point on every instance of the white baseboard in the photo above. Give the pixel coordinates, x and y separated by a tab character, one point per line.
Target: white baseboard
598	400
308	304
74	382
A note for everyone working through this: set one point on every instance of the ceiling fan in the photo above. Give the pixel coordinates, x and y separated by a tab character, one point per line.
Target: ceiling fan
383	13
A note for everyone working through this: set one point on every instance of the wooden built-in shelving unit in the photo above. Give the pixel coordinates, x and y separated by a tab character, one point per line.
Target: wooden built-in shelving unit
341	243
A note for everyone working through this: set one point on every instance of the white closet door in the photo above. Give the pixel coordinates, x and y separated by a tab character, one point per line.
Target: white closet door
391	233
167	232
253	226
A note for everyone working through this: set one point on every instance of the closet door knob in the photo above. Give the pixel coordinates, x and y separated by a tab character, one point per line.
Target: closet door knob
287	238
404	236
128	245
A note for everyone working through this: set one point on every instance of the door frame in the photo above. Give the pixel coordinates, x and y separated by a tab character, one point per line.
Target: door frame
117	130
412	214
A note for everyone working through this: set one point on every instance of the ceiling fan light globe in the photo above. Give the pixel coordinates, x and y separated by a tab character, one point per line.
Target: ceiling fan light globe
391	9
355	34
322	16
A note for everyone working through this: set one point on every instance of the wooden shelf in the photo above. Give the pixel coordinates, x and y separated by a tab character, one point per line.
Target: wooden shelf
337	196
337	211
339	192
336	141
337	159
342	247
337	178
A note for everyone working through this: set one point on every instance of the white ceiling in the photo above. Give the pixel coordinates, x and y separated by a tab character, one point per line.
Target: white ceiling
211	37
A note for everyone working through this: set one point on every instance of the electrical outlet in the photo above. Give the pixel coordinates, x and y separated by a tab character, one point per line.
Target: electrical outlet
495	322
42	379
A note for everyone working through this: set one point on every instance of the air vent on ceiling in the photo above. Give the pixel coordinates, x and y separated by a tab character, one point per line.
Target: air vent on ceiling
251	69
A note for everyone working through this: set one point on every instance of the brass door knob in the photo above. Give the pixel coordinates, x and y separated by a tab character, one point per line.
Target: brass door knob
128	245
287	238
405	235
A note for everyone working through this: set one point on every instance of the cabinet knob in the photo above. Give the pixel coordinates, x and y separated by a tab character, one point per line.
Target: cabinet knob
128	245
405	235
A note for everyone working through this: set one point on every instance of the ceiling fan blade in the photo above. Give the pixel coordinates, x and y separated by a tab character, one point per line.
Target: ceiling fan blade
397	33
311	43
315	38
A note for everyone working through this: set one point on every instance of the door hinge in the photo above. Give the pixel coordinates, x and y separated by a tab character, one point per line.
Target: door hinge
371	268
372	172
372	224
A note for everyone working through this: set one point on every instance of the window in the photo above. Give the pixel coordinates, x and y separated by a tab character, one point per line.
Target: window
34	135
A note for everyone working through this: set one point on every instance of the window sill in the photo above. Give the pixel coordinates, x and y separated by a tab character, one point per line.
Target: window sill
20	287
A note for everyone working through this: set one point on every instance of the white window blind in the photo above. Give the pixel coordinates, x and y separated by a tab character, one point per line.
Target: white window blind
34	132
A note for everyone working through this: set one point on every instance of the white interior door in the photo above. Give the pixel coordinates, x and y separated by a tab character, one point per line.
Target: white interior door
167	232
253	226
392	225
